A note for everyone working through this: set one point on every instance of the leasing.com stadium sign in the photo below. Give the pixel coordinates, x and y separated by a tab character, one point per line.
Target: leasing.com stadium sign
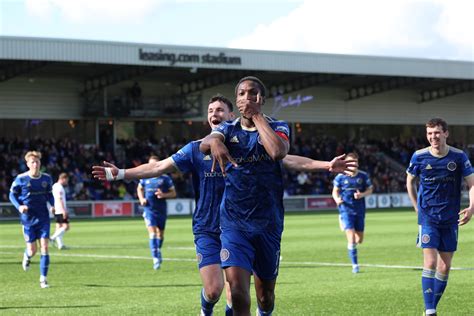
173	58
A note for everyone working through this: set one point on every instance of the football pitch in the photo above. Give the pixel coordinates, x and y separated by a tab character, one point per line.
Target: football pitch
108	270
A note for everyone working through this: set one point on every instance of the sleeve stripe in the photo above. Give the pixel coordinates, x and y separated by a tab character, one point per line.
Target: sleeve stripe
282	135
219	133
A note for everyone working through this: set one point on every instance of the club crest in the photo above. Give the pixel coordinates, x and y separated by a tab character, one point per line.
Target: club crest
224	254
451	166
425	238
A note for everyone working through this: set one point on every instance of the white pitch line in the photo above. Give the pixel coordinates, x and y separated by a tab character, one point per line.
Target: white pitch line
308	263
103	247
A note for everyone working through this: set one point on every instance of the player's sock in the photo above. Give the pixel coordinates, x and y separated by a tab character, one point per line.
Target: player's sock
58	233
44	264
160	242
59	242
206	304
154	246
352	252
228	310
440	283
262	313
427	285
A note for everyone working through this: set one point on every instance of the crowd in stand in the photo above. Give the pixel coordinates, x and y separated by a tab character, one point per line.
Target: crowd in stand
384	160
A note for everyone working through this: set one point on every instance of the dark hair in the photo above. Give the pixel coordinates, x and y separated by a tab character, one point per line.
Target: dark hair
259	82
223	99
437	122
63	175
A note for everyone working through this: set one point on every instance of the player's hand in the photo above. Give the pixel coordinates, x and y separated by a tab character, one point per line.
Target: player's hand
357	195
159	193
107	172
249	108
338	201
465	216
220	155
142	202
65	215
23	209
339	165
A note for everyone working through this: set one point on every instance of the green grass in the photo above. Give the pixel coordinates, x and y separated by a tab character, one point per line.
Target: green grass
108	271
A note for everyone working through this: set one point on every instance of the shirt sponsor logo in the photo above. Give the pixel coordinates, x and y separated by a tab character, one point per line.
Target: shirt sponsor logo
224	254
234	140
212	174
428	167
253	158
451	166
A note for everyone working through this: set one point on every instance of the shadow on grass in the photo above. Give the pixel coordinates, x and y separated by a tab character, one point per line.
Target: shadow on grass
48	307
143	286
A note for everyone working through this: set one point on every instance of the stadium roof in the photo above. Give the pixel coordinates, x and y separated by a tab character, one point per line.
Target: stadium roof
100	64
101	52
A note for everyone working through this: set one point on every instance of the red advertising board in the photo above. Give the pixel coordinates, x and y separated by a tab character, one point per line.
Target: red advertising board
106	209
321	203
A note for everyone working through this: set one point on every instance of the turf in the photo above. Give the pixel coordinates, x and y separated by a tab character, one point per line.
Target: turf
108	270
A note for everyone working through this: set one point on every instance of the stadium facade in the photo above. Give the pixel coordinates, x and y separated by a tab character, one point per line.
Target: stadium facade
98	92
78	88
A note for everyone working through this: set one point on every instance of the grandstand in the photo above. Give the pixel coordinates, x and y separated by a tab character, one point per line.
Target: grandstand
81	102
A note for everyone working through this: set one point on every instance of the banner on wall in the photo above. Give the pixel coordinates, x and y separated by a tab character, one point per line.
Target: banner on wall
79	209
111	209
320	203
179	206
383	200
371	201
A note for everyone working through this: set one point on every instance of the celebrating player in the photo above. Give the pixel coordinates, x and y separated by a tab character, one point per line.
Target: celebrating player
152	193
252	205
60	210
209	187
441	169
30	192
349	193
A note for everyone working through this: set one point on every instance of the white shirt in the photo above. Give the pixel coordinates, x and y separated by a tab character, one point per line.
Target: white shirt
59	194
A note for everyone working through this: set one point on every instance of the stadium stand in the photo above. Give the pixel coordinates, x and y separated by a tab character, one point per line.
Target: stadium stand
385	160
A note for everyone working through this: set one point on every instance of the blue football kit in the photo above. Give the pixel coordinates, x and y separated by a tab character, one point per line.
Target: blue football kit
208	189
352	210
34	193
439	196
252	205
155	211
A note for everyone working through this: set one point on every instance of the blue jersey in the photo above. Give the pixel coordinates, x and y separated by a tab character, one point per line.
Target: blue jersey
34	193
253	195
439	193
208	186
348	185
164	183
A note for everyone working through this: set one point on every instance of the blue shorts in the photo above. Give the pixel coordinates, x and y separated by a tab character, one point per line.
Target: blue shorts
154	219
443	239
31	233
208	248
351	221
256	252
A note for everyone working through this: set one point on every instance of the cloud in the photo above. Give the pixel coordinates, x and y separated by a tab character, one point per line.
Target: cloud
414	28
86	11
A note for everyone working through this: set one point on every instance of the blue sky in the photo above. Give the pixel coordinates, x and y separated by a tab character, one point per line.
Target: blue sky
441	29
